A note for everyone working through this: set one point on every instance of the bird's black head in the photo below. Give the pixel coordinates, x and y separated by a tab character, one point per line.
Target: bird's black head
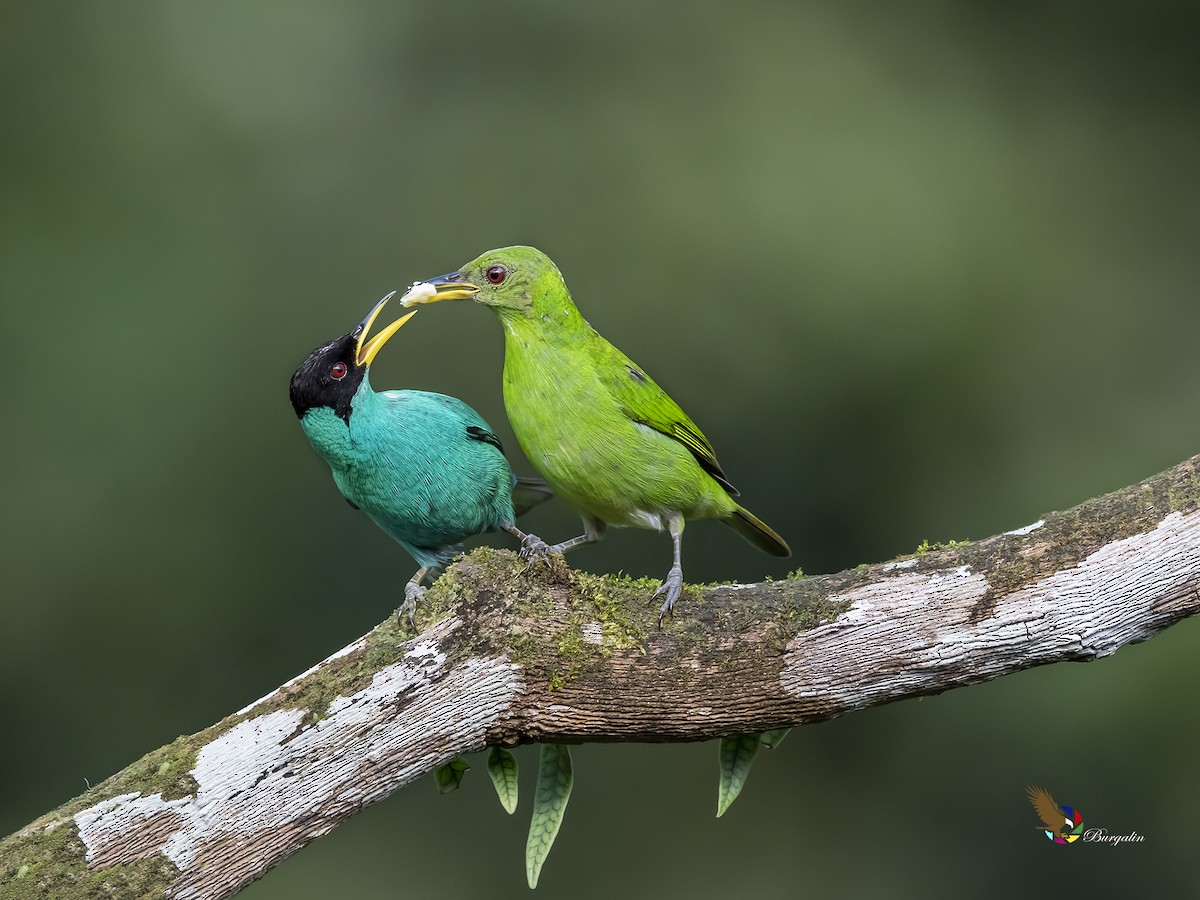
333	373
329	377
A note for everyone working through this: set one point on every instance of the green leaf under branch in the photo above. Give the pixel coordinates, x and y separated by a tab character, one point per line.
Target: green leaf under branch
502	766
549	805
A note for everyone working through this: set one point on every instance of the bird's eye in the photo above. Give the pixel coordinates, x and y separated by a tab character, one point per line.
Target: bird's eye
338	371
496	274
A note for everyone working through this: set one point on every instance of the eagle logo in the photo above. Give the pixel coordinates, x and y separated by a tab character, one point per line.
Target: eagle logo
1062	824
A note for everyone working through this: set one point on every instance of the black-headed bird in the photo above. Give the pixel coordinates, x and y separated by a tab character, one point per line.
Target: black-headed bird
424	467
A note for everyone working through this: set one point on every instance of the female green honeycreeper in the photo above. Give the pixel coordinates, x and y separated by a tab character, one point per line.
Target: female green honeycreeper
424	467
607	438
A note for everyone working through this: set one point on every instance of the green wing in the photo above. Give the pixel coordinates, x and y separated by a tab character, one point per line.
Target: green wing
645	402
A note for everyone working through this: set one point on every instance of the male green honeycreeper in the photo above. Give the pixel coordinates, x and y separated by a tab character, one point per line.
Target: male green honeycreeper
424	467
607	438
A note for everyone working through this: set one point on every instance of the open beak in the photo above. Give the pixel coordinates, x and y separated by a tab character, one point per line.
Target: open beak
365	350
445	287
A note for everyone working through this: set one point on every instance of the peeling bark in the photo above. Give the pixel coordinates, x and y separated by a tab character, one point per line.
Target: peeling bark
507	656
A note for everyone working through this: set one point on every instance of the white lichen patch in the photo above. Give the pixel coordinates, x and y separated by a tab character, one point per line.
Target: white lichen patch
593	633
902	564
118	811
1112	597
419	292
939	630
887	626
277	775
1027	529
427	651
127	814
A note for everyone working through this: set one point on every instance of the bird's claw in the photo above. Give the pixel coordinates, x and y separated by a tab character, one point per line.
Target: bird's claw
413	594
672	586
534	550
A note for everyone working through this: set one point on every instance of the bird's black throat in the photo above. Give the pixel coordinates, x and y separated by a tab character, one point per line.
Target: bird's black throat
313	384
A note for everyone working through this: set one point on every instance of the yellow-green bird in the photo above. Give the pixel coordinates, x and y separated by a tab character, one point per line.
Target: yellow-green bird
609	440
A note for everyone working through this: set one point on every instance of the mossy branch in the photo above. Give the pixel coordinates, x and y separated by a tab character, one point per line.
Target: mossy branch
507	657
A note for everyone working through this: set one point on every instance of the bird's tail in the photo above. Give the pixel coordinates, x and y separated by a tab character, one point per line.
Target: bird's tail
758	532
528	493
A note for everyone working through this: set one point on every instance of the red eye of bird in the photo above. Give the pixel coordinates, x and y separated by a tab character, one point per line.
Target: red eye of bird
338	370
497	274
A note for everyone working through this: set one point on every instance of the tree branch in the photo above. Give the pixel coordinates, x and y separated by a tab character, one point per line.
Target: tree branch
509	657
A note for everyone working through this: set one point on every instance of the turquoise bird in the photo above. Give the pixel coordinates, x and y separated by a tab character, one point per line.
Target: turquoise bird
609	440
424	467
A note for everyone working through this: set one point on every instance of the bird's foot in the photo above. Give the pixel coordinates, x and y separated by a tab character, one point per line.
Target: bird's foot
534	550
413	594
672	586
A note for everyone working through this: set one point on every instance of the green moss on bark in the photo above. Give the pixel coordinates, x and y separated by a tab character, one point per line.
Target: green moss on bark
46	861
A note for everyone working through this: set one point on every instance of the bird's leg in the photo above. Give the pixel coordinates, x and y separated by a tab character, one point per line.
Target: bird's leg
533	547
413	594
535	550
593	530
673	584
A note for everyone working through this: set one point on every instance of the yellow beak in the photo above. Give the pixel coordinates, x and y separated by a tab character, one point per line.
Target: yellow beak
365	350
444	287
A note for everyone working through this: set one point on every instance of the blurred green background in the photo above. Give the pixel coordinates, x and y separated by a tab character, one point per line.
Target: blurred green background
920	271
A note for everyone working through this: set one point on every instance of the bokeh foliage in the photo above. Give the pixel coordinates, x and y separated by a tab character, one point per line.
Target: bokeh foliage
920	271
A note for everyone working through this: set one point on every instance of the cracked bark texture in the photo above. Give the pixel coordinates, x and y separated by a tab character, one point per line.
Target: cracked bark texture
507	656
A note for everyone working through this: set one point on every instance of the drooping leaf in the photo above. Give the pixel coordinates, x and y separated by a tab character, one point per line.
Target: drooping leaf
736	756
502	766
772	739
549	804
450	776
